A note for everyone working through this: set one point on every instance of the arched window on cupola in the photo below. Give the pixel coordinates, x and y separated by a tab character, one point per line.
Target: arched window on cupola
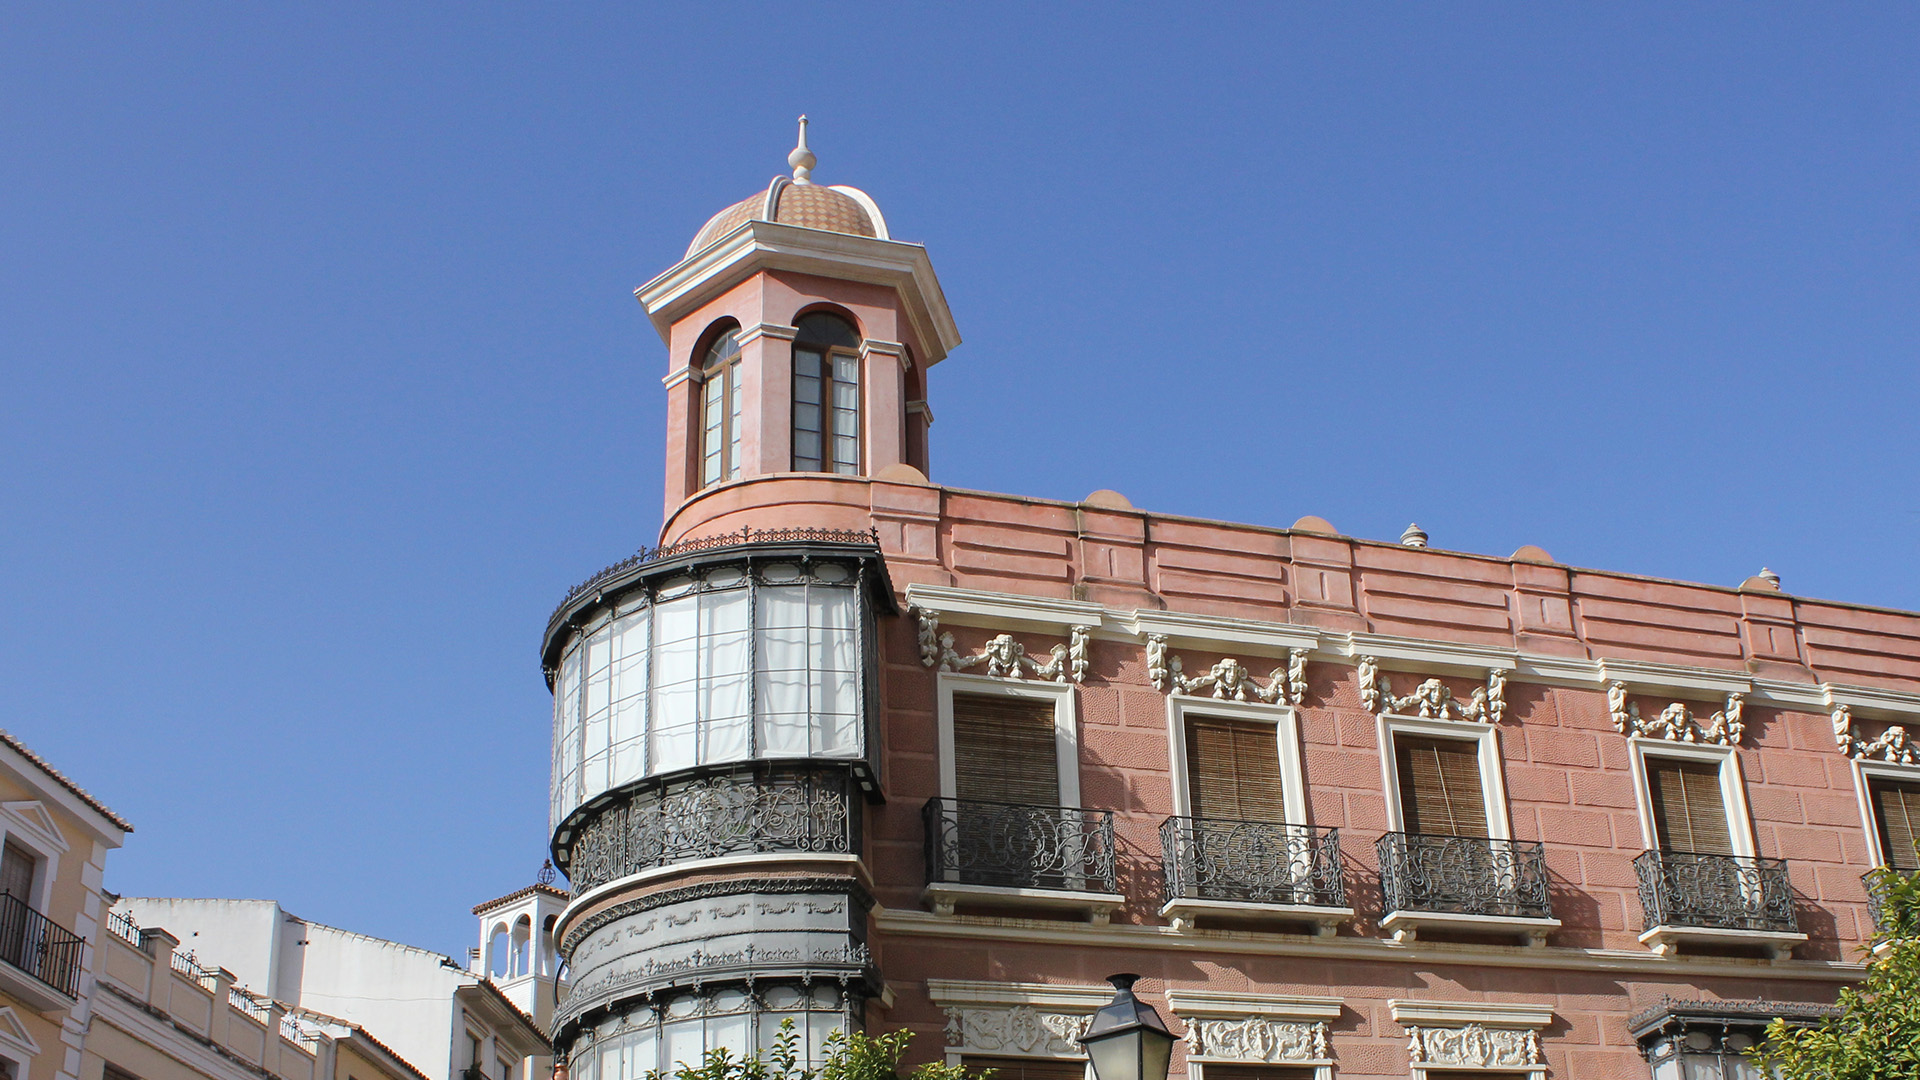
720	410
826	395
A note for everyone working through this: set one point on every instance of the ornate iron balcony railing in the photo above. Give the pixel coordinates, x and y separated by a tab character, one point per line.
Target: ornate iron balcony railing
1255	862
1894	910
39	946
1017	846
741	811
1720	892
1463	875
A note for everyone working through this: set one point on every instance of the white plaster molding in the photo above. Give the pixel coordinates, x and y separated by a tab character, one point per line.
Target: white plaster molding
1043	995
1676	722
921	408
1257	1038
32	817
1004	657
746	335
972	607
1227	680
1432	699
1810	697
1015	1029
1872	701
1474	1046
870	347
1647	675
1893	745
1450	657
1229	1003
1498	1014
15	1036
945	897
1556	670
685	374
1219	634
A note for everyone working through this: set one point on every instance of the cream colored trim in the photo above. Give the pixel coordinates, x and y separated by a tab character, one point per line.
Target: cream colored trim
1493	784
1733	788
871	347
1863	771
866	203
1664	939
685	374
1644	675
659	873
1209	632
1451	657
1183	911
1052	995
15	1036
921	407
1229	1003
1066	725
971	607
1404	925
1080	936
748	335
32	818
944	896
1286	731
1197	1068
1485	1013
1872	701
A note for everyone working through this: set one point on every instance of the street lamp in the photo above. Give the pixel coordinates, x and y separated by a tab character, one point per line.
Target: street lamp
1127	1040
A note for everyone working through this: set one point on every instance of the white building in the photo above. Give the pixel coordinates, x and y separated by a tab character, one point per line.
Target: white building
516	952
442	1019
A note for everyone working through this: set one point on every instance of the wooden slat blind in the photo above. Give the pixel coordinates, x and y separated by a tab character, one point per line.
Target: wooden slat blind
1896	809
1233	770
1440	786
1028	1068
1689	813
1217	1071
1004	749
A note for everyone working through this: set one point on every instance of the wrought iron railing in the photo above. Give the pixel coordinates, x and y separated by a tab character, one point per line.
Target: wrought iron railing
1018	846
747	535
1895	911
1463	875
39	946
187	964
1722	892
122	926
1256	862
750	810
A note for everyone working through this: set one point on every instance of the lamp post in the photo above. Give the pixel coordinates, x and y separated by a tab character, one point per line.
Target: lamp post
1127	1040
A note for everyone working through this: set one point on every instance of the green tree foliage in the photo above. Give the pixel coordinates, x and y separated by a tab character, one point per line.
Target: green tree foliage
1877	1034
847	1056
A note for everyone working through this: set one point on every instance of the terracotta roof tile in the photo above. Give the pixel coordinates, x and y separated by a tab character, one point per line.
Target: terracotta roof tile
78	791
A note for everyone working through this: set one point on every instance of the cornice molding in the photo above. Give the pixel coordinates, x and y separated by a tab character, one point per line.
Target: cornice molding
1407	1011
969	607
1049	995
1278	1006
1212	633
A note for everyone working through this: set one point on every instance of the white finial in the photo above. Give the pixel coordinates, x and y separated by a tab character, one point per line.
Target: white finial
802	159
1769	577
1414	537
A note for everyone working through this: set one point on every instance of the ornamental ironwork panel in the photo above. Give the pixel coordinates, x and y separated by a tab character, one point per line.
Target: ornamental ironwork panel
1257	862
769	808
1018	846
39	946
1724	892
1464	875
1893	909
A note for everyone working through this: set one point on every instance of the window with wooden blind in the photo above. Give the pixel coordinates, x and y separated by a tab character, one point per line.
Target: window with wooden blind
1440	793
1689	809
1004	749
1896	813
1215	1071
1010	1068
1233	770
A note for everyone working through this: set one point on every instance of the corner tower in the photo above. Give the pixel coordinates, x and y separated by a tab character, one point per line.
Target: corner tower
799	334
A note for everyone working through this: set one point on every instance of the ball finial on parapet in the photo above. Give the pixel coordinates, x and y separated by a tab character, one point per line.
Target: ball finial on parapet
802	159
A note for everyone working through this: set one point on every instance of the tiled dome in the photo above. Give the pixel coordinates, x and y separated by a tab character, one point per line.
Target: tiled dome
832	209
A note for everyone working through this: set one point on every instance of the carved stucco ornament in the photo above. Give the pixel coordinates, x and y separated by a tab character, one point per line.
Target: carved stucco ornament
1002	656
1256	1038
1019	1029
1228	680
1432	699
1676	723
1473	1045
1893	746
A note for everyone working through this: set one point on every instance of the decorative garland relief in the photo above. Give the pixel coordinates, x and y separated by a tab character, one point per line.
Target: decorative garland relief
1432	699
1893	746
1676	723
1003	657
1228	680
1256	1038
1473	1045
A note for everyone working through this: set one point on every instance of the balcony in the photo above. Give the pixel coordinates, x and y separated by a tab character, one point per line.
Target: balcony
1715	900
1464	884
1896	904
1016	855
42	958
1242	870
733	812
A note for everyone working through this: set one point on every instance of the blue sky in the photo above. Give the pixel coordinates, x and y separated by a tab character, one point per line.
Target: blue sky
321	378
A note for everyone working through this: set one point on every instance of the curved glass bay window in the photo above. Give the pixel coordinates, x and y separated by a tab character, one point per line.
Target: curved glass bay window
681	1029
713	665
720	410
826	395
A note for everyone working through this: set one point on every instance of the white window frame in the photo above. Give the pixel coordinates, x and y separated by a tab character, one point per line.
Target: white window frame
1733	788
1066	725
1493	785
1863	772
1197	1067
1286	729
30	826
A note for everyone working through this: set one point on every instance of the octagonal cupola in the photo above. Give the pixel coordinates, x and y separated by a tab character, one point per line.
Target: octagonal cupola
799	335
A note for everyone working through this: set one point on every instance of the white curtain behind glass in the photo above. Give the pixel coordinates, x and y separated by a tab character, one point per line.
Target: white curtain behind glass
808	672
